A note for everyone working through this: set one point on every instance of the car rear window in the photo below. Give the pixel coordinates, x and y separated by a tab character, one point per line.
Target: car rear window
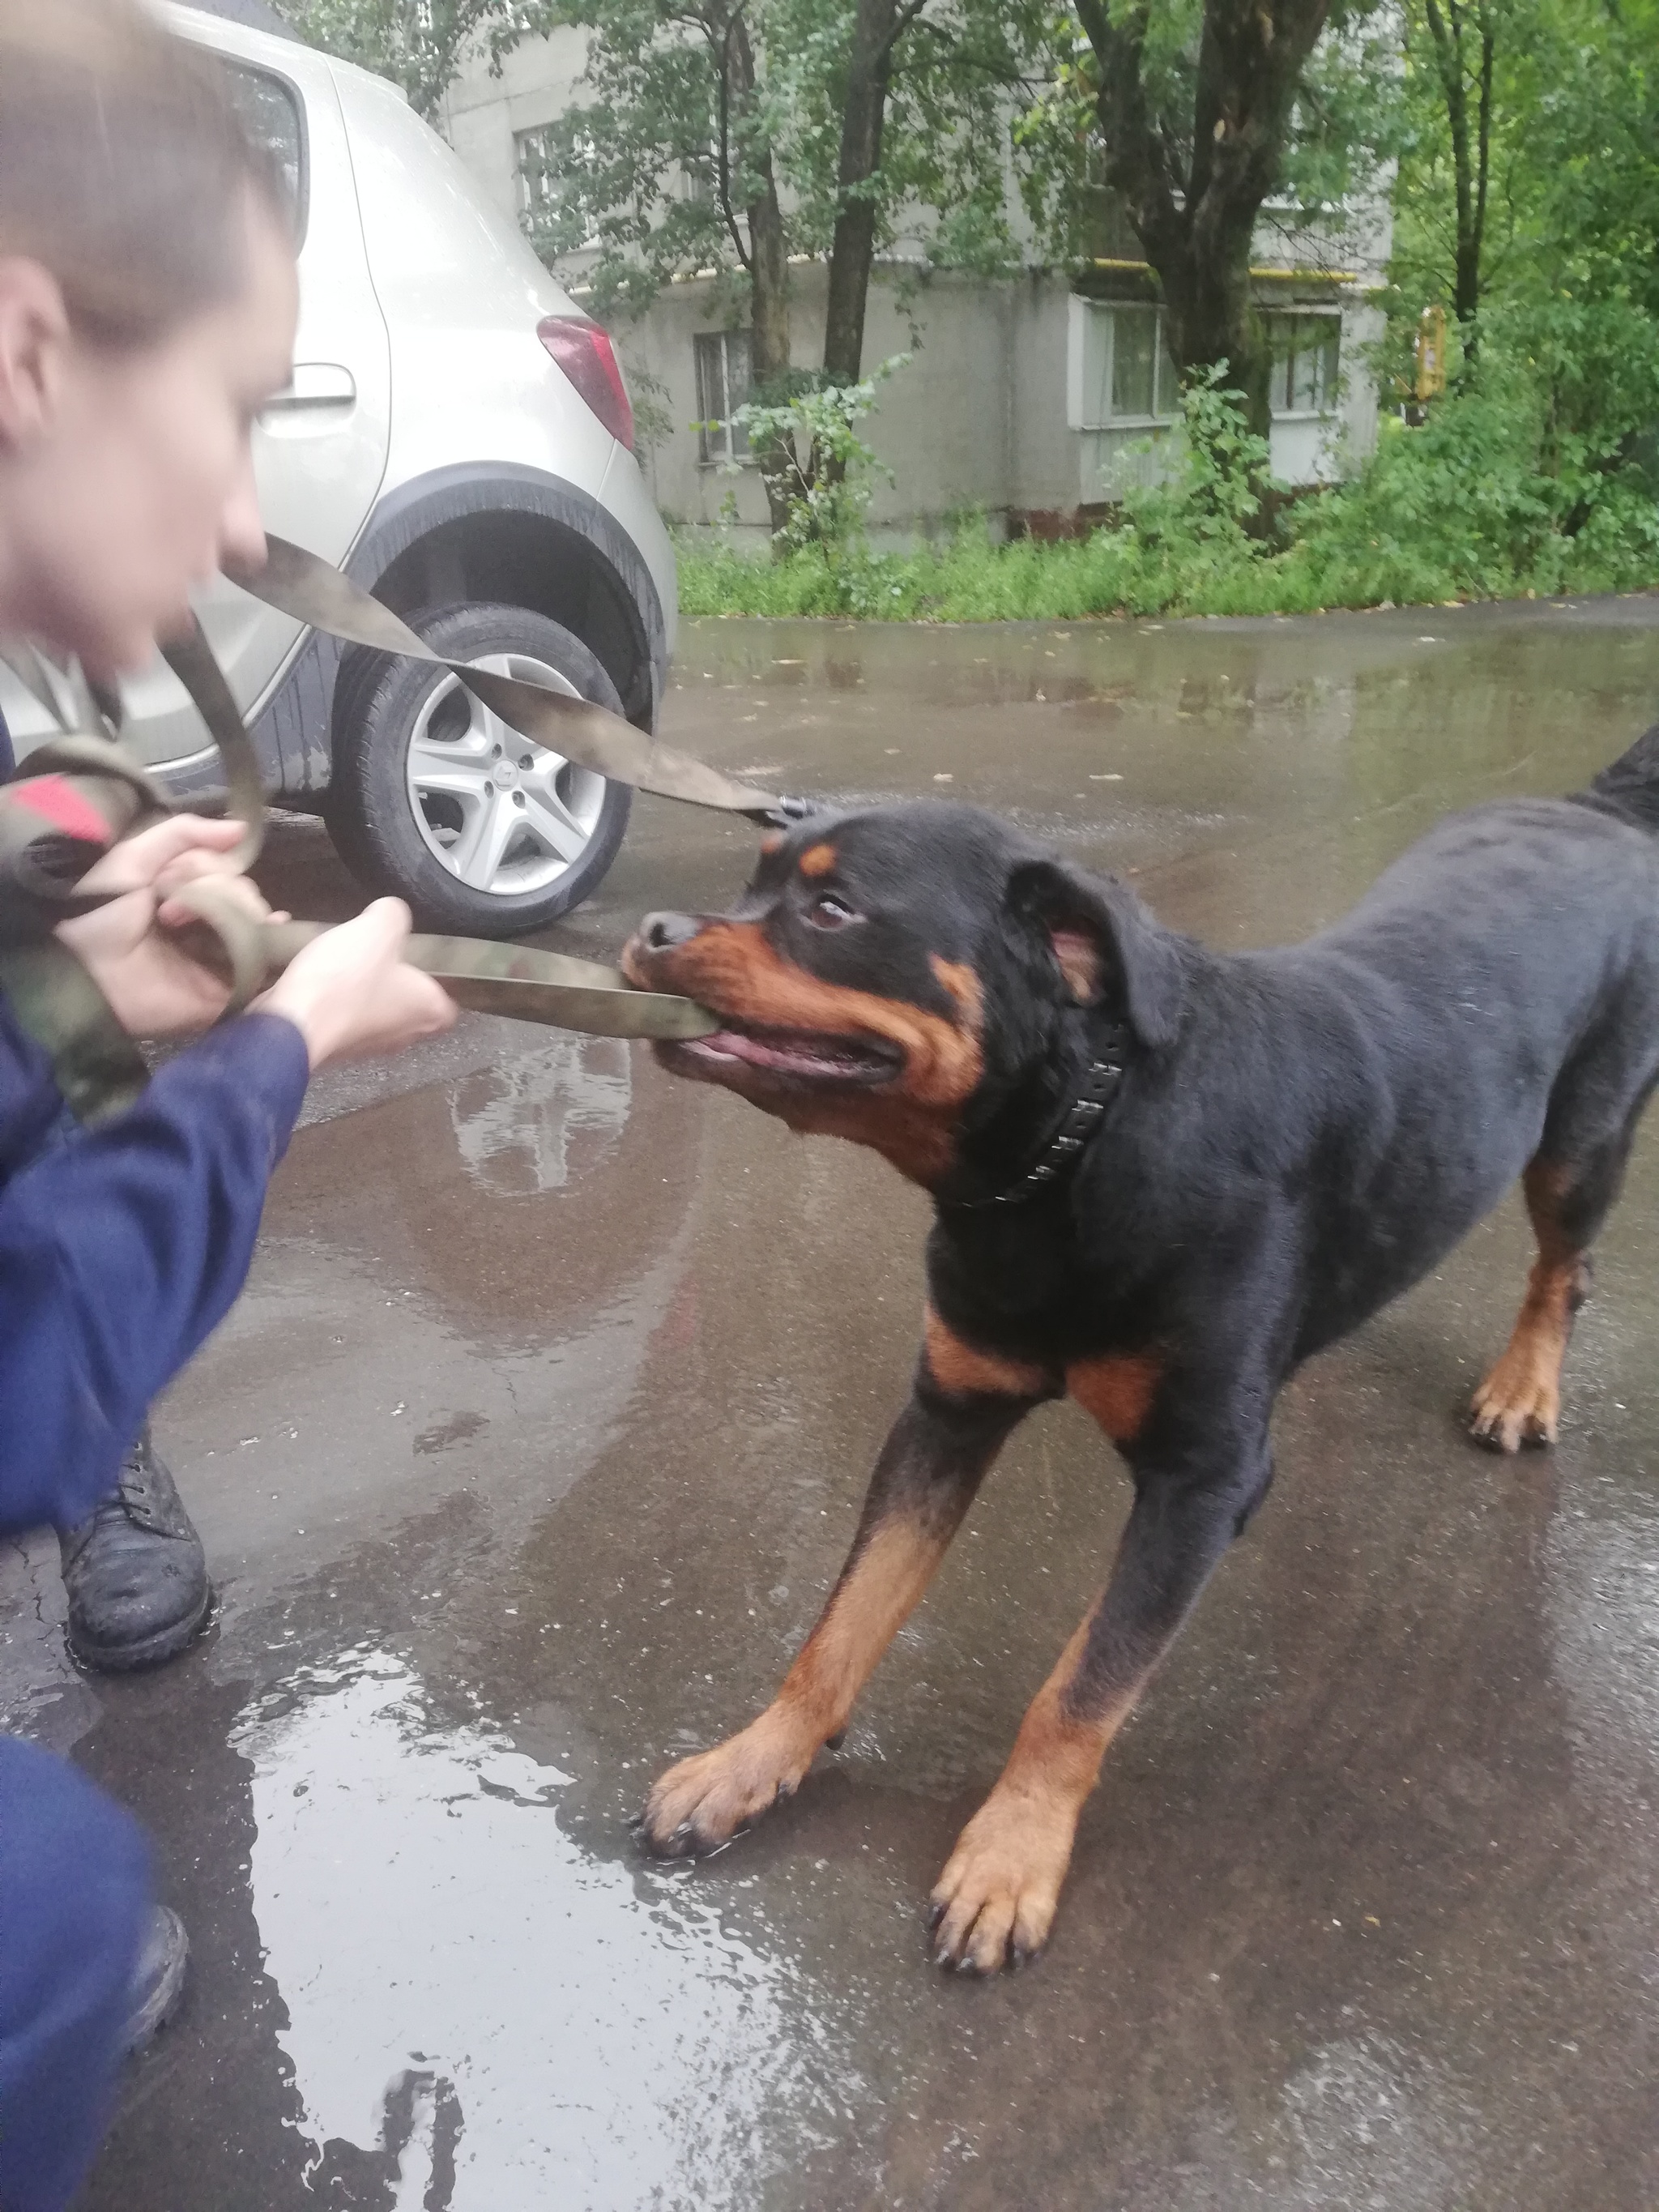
274	119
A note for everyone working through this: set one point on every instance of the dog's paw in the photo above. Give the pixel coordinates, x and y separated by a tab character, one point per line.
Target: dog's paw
994	1903
1519	1403
698	1806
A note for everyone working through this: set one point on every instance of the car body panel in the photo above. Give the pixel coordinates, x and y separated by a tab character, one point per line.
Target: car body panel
421	393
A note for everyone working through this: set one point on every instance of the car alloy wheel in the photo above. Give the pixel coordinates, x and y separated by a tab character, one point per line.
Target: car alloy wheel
504	815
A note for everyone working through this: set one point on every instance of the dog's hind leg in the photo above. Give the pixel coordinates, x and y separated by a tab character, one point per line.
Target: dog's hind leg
1568	1194
994	1902
962	1408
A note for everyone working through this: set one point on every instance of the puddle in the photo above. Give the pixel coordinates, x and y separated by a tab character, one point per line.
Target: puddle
517	1126
512	2022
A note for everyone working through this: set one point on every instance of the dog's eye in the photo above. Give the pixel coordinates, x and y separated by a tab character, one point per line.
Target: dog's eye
828	912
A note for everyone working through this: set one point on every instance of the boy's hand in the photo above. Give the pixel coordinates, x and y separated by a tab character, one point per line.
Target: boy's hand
153	988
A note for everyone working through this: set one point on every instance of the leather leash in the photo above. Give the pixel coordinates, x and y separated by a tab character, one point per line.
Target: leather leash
297	583
82	794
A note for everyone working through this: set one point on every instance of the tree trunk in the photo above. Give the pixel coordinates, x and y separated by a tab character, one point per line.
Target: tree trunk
1195	224
853	247
1471	159
768	263
768	340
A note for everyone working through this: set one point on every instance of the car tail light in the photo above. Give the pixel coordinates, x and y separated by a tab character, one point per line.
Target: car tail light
587	357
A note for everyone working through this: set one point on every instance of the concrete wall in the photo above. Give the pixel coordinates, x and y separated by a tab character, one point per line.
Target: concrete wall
482	111
976	419
978	416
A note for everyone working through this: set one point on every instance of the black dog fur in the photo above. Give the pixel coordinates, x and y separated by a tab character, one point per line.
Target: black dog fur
1297	1136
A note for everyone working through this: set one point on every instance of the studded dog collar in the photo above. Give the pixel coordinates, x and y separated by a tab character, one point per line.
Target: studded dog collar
1060	1154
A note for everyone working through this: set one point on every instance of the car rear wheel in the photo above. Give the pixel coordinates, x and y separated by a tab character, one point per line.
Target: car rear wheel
436	799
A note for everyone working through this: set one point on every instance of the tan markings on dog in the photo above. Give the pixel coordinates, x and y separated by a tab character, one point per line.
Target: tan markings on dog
1520	1401
773	842
816	860
1118	1390
711	1796
730	968
957	1367
1000	1887
964	985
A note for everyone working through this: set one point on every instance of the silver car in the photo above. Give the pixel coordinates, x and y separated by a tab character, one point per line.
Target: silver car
458	437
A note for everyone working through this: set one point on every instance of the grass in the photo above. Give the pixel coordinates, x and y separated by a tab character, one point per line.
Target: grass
1457	510
968	579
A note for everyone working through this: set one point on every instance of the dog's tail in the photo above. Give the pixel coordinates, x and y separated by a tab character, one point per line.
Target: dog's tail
1630	785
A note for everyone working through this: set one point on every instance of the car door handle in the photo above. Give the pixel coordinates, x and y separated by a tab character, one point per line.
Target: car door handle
315	383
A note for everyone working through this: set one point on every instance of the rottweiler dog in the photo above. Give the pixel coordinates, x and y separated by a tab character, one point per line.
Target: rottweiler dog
1163	1178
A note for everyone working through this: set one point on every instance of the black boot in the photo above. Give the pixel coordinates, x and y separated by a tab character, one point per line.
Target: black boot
135	1574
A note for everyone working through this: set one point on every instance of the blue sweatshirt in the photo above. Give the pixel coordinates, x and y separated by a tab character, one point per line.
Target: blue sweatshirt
120	1253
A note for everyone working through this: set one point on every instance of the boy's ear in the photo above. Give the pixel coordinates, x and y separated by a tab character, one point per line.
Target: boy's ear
1107	949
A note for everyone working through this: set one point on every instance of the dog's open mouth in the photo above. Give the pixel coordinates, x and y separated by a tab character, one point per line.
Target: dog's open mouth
808	1055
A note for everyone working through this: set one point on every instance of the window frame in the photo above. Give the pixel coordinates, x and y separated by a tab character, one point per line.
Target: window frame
708	423
1284	368
532	204
1164	379
235	66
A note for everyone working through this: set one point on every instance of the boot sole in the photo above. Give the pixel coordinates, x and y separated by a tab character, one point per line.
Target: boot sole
152	1651
146	2024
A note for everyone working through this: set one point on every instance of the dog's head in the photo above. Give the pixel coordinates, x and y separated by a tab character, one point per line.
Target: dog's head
898	975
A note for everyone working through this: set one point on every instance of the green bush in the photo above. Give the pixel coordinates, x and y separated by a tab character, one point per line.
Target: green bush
1533	478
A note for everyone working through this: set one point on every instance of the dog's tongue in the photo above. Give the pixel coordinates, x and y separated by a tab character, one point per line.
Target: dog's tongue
788	1056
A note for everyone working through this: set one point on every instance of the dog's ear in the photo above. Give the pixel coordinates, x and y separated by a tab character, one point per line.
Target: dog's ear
1108	949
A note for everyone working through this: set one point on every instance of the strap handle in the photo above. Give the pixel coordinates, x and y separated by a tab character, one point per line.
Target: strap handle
515	979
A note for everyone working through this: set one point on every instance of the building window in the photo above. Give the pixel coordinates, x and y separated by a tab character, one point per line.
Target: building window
1119	370
1306	361
723	385
547	206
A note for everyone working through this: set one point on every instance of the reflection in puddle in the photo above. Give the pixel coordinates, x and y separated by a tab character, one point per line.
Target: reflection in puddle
1603	1577
466	1988
514	1124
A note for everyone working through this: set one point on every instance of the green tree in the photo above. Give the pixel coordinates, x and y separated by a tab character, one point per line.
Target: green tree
1200	111
727	136
418	44
1529	170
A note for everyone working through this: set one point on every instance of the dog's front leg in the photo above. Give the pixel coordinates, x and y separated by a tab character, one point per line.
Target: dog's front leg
961	1408
994	1903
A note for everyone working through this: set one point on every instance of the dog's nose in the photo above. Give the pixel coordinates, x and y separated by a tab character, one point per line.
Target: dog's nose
660	932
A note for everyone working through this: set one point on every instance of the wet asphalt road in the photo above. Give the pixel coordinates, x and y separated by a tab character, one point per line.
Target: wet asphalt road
528	1459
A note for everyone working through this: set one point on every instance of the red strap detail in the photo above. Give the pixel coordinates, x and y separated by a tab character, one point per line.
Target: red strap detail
55	800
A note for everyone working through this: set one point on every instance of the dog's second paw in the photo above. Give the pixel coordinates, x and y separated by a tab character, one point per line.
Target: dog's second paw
698	1806
1519	1403
994	1903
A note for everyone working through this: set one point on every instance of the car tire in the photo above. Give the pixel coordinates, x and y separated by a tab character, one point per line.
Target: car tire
414	807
